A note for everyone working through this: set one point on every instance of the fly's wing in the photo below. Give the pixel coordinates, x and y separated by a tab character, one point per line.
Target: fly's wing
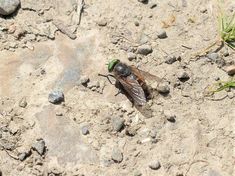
145	76
134	89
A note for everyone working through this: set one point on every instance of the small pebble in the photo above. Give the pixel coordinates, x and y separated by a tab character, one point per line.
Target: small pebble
161	34
84	80
154	165
144	49
39	146
170	116
23	103
102	22
85	130
137	23
213	56
152	5
131	131
117	155
226	53
137	173
117	123
163	88
182	75
203	10
131	56
143	1
170	59
231	95
23	156
230	70
56	97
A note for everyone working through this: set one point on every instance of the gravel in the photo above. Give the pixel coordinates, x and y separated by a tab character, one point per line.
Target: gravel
7	7
213	56
39	146
144	49
154	165
102	22
85	130
23	156
117	123
137	173
170	116
152	5
170	59
163	88
143	1
230	69
231	95
23	103
84	80
56	97
161	34
136	23
117	155
131	56
183	75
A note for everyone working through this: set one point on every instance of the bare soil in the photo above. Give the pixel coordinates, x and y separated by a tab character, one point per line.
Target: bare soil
45	46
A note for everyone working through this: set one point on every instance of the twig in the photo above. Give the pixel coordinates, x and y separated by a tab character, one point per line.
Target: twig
64	29
14	157
186	47
81	4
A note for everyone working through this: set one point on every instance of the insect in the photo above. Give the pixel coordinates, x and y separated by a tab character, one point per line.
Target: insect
132	80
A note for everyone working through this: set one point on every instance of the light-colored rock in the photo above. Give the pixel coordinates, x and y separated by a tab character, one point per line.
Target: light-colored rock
23	103
154	165
163	88
7	7
39	146
117	155
56	97
144	49
230	69
117	123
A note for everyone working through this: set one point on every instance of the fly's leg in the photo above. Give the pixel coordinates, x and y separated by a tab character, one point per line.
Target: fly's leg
119	91
120	88
107	76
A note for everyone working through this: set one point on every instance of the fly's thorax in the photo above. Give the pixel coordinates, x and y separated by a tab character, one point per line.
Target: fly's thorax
122	69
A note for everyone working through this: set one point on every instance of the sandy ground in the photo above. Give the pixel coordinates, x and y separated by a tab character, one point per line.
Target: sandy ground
36	58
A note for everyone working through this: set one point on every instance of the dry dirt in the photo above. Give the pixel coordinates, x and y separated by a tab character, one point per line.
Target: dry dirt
36	58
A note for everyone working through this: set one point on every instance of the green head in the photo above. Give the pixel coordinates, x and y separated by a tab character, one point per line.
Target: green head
112	64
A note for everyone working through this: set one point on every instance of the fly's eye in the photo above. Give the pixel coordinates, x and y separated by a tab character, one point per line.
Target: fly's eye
112	64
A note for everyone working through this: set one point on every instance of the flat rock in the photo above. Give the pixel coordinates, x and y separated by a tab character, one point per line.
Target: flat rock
7	7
